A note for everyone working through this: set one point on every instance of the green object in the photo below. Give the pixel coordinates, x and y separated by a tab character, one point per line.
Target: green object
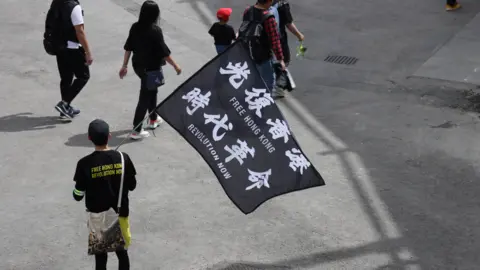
301	50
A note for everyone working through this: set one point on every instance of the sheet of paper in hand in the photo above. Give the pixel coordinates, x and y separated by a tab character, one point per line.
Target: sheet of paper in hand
225	112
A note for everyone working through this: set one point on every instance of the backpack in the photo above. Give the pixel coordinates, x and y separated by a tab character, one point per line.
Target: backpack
253	34
53	40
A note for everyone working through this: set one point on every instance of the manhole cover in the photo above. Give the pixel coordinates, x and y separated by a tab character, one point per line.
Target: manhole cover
341	60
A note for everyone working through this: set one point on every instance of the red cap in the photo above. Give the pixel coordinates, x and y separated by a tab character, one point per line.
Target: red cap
224	13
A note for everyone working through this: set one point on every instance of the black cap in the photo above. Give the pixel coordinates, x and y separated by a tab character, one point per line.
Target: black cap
99	131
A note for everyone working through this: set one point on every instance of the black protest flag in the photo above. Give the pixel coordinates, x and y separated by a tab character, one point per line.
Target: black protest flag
227	114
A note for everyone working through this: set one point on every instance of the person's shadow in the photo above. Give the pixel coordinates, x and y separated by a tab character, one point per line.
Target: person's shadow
27	122
81	140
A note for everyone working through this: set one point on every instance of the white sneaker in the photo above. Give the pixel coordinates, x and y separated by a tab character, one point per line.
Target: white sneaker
155	124
139	135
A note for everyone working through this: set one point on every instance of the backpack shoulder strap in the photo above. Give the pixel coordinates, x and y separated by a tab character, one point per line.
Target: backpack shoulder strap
267	14
55	8
248	14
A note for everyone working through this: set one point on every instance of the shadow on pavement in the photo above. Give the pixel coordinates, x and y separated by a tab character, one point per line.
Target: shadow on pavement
27	122
324	257
194	3
430	196
81	140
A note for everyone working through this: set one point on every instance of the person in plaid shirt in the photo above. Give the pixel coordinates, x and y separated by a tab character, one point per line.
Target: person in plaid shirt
273	42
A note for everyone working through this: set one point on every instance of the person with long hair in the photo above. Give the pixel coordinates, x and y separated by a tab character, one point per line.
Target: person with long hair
150	53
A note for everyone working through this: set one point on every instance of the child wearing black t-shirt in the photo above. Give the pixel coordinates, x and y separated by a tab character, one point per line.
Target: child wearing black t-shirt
223	33
98	179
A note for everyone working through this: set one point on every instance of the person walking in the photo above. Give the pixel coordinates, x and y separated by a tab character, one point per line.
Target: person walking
452	5
97	179
221	31
150	53
267	41
75	59
285	22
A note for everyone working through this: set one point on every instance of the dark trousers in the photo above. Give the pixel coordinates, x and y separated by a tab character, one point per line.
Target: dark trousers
286	51
451	2
72	63
123	261
147	100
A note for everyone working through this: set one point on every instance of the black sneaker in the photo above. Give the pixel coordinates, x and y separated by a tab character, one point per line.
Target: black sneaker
64	110
73	110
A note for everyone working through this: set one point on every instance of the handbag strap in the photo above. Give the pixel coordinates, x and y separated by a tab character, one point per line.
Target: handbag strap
122	178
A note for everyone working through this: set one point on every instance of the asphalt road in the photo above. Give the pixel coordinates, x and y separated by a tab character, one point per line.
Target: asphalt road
397	152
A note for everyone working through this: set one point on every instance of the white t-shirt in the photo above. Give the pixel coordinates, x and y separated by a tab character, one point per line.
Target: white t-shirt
77	19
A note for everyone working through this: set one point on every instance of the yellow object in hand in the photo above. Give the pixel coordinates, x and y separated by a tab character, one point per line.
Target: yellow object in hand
125	227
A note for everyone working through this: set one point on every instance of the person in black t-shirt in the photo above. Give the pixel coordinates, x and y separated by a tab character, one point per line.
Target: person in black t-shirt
286	22
97	178
73	62
150	53
221	31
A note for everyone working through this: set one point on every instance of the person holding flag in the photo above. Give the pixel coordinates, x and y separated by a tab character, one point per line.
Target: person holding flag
262	44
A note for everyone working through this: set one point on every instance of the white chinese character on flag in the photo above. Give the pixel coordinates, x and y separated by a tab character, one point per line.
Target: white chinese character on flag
279	129
258	99
239	152
259	179
297	160
197	100
219	124
239	73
